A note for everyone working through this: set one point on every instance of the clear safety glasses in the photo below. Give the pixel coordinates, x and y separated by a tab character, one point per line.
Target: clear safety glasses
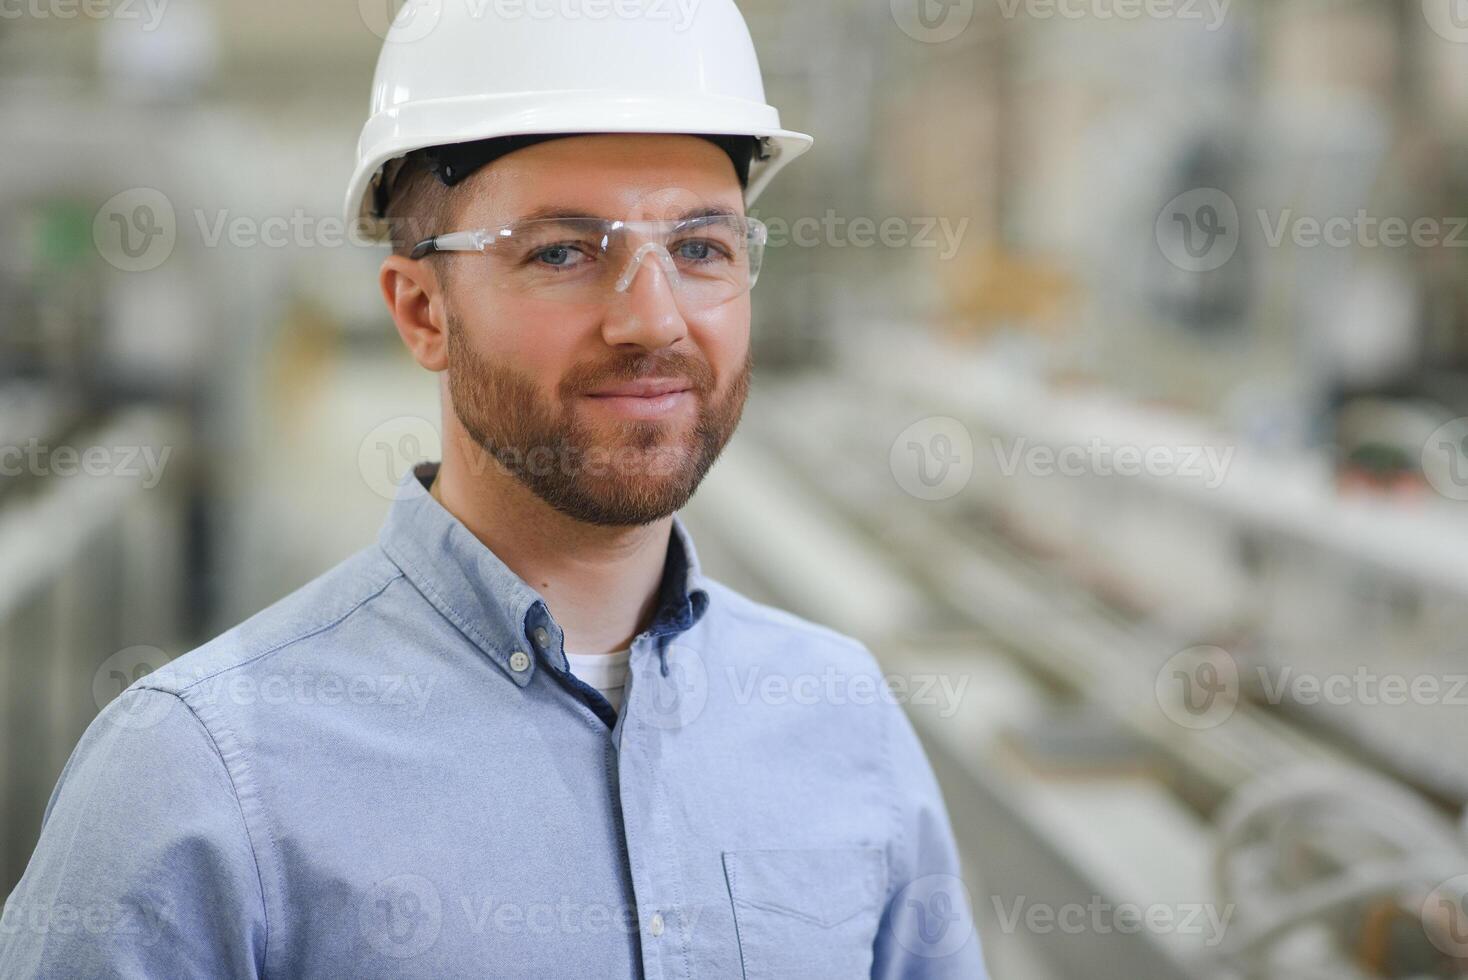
707	260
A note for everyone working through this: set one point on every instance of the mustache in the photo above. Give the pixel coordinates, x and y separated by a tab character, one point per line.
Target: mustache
637	367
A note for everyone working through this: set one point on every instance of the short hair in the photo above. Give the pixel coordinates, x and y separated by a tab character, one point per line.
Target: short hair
419	204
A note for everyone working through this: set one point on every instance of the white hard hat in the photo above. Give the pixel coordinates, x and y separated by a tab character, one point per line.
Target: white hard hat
457	71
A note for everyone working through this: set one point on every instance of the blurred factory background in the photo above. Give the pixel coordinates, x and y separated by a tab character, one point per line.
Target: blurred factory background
1112	386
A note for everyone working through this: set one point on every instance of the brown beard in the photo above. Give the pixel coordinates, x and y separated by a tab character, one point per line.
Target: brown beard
643	472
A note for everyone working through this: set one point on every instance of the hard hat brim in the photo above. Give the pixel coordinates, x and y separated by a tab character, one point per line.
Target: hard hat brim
396	132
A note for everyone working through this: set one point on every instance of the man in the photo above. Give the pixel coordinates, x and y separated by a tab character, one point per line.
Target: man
398	771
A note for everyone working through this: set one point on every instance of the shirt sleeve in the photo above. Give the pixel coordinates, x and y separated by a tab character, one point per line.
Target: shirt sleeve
927	930
144	868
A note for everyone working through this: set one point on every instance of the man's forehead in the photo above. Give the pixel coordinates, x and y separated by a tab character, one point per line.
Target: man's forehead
612	176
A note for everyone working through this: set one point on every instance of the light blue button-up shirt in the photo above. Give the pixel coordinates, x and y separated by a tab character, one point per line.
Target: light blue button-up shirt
391	773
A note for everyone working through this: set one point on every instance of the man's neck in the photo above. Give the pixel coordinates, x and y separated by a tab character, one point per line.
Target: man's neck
600	584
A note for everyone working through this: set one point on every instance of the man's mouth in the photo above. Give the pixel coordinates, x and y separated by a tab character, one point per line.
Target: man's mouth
647	388
646	399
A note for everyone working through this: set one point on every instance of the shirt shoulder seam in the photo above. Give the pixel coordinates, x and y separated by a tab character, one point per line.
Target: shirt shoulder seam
239	807
307	633
895	870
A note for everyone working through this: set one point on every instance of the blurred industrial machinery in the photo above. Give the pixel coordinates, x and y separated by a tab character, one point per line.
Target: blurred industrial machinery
1311	811
1215	706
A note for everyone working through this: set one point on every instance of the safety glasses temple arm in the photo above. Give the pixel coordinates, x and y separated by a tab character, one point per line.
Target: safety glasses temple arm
461	241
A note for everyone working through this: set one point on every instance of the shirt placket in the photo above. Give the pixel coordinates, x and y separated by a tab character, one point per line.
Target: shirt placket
651	848
545	638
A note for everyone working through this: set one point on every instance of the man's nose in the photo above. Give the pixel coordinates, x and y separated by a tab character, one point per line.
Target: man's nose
646	312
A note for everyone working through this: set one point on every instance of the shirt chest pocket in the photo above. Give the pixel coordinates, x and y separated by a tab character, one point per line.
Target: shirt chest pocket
806	913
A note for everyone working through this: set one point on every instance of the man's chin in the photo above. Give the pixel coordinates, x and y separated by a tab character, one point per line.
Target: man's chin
630	467
621	502
611	430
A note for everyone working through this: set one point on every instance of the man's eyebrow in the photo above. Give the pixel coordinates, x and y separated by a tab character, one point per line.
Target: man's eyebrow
550	212
709	212
553	212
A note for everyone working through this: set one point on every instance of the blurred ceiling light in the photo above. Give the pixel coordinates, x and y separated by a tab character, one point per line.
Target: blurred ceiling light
165	54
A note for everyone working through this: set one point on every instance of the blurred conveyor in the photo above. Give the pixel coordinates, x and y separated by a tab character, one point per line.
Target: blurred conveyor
1068	772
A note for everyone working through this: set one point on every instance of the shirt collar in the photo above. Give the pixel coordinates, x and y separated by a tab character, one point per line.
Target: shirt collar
488	602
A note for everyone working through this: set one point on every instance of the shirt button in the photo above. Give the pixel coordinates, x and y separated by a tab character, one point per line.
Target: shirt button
656	925
519	660
541	637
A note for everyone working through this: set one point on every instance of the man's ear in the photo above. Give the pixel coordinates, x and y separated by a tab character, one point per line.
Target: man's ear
414	296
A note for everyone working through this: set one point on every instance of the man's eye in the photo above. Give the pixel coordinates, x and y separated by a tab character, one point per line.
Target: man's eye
557	256
699	250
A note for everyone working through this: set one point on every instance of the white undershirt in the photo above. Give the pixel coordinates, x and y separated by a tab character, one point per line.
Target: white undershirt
607	672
